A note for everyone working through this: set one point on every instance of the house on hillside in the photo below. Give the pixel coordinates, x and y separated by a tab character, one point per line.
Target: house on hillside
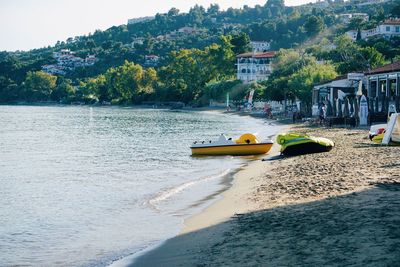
260	46
151	60
386	29
372	2
389	28
346	17
254	66
188	30
67	61
321	4
137	41
53	69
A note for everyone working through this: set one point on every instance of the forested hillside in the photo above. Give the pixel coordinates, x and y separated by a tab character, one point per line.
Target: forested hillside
196	54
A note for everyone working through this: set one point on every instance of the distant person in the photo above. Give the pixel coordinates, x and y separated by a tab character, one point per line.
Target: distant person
322	114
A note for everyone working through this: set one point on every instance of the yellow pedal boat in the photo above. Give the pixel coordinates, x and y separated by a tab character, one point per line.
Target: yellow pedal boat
247	144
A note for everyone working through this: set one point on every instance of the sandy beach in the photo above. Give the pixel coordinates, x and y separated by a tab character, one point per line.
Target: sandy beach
328	209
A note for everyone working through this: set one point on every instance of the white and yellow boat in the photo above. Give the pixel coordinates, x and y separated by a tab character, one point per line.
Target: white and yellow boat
247	144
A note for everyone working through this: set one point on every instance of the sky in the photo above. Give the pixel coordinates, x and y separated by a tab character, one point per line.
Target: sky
28	24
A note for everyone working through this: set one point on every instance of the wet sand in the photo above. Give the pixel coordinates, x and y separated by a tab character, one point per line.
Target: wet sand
337	208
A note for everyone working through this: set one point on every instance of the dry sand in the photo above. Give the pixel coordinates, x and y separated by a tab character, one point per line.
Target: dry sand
329	209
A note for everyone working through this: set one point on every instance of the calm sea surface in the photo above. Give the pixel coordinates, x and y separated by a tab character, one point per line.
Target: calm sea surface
84	186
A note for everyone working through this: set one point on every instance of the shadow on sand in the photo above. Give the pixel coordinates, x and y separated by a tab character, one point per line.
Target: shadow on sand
358	229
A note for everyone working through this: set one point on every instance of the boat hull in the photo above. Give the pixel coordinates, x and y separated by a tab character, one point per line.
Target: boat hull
234	150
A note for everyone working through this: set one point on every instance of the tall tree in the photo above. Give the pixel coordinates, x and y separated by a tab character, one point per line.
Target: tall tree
314	25
39	85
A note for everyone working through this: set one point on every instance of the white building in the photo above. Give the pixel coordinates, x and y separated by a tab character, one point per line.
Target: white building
386	29
53	69
260	46
372	2
321	4
137	41
66	60
151	60
254	66
188	30
346	17
389	28
90	60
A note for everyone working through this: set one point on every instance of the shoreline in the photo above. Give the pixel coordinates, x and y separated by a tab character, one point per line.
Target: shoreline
294	211
217	196
231	202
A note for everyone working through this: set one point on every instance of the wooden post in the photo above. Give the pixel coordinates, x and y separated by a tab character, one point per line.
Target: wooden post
340	113
378	92
387	93
397	99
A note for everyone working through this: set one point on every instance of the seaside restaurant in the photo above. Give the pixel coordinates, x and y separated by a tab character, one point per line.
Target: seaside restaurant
338	95
383	85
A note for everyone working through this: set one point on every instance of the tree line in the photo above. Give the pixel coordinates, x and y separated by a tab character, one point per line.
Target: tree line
198	67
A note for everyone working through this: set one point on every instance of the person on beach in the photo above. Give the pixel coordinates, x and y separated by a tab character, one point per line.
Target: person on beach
322	114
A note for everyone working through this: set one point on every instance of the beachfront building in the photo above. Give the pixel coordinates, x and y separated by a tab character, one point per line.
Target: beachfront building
386	29
260	46
383	85
254	66
334	92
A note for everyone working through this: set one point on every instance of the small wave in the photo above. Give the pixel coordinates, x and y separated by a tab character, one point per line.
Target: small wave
170	192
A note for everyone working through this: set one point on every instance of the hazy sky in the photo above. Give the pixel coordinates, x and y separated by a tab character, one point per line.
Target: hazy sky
27	24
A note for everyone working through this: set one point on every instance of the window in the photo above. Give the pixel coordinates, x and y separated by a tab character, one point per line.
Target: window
397	29
388	28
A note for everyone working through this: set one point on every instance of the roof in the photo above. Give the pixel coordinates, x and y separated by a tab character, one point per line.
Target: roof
339	82
387	68
391	22
269	54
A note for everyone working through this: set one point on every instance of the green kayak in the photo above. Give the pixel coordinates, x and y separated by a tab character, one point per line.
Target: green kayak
293	144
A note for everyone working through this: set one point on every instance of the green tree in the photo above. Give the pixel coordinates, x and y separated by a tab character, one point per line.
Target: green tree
395	11
302	82
39	85
213	9
314	25
9	90
64	91
240	43
350	57
173	12
129	83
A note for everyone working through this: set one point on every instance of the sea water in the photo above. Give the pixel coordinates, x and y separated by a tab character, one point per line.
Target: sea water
85	186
